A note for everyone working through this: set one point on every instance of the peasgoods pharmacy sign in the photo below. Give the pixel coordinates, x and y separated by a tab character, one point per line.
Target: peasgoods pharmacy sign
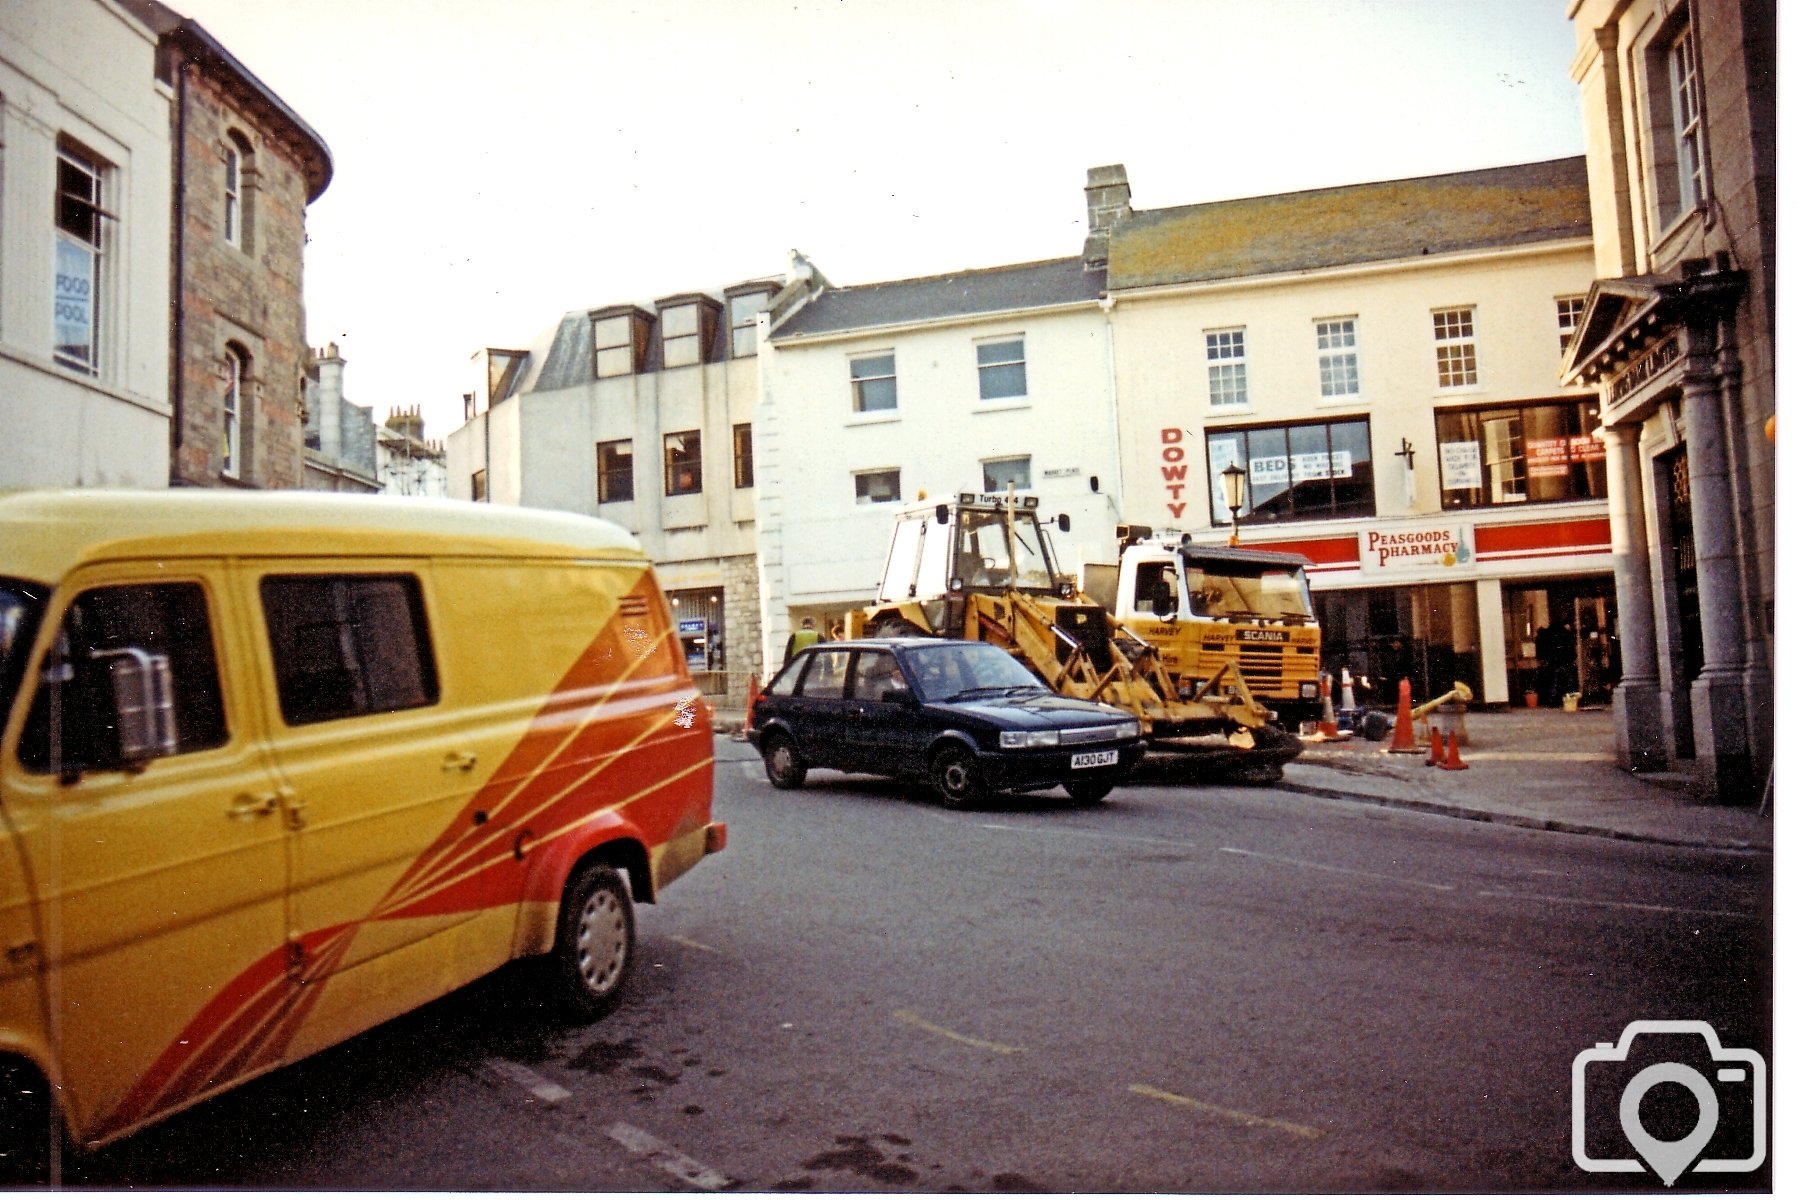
1441	547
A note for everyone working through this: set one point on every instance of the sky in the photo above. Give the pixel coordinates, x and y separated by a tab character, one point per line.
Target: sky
501	162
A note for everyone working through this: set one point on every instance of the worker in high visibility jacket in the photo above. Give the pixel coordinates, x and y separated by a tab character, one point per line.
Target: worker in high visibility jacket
801	638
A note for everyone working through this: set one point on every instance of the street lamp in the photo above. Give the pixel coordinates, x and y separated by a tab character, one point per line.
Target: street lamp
1233	479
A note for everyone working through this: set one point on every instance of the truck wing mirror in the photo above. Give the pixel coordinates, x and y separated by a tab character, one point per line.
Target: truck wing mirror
1062	522
943	514
143	704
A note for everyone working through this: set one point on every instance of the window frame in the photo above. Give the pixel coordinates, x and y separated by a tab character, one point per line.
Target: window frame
1227	350
757	302
1579	449
71	212
231	411
1001	369
990	485
1338	509
743	456
860	484
1569	311
860	383
615	483
1456	346
679	325
1333	357
676	458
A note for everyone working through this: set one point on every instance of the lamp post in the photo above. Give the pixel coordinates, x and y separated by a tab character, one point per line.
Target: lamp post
1233	479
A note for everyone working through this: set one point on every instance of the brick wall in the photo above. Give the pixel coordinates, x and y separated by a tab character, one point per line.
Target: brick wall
248	294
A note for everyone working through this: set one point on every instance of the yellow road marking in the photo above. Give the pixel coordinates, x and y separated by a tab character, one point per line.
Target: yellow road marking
1228	1114
908	1017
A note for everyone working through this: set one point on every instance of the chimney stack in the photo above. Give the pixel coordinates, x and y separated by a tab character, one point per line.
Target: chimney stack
1108	202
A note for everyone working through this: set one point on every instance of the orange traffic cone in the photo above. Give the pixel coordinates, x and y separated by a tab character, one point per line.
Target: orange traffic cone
750	702
1403	742
1327	716
1348	701
1452	760
1437	748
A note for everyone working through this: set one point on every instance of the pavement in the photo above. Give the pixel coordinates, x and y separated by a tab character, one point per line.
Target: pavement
1536	768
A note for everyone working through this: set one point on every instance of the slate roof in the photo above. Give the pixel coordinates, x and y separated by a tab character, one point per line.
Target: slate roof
959	294
1359	223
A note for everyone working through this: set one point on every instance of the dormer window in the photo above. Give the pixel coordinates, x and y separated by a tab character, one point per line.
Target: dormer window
688	324
742	309
620	338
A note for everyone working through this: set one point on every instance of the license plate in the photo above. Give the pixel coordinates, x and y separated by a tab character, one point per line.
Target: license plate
1095	758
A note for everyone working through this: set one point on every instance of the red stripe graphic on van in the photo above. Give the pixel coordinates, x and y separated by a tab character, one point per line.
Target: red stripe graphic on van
608	703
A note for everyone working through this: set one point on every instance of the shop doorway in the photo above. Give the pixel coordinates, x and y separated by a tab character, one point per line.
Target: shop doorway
1561	640
1428	634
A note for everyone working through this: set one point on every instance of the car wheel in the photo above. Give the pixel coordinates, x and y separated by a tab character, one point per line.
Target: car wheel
595	942
956	778
782	762
1087	791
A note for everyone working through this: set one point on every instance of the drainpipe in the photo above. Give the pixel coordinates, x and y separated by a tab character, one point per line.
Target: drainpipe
177	278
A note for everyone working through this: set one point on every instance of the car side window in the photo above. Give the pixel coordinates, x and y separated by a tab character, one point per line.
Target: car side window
348	645
170	619
877	673
824	678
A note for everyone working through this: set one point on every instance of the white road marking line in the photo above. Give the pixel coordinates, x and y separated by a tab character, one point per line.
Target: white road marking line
1316	866
1625	904
668	1159
690	942
529	1079
1229	1114
1080	833
908	1017
751	770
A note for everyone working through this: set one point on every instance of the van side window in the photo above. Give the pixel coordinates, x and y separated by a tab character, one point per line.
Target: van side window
165	619
348	645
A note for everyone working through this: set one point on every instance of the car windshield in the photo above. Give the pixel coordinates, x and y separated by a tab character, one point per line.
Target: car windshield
1247	590
21	605
957	670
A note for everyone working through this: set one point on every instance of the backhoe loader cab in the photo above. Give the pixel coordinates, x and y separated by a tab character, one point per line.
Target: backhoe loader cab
945	549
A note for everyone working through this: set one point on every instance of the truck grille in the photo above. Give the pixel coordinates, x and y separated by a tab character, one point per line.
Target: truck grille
1261	669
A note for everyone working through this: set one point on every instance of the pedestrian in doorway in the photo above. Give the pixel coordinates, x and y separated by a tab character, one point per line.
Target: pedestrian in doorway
1556	661
801	638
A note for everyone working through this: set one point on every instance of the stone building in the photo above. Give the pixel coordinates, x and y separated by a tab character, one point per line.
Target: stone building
640	415
245	166
1678	337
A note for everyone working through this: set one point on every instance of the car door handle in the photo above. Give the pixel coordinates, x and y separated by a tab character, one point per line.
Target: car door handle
459	760
247	807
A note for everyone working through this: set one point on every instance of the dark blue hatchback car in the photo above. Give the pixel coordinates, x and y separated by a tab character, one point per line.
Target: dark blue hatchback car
966	716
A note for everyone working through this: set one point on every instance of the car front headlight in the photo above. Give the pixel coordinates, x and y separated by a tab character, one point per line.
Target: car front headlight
1126	729
1026	739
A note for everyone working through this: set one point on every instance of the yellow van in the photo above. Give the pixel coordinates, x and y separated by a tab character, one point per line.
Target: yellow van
277	767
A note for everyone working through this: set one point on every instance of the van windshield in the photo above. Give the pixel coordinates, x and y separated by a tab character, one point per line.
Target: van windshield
21	607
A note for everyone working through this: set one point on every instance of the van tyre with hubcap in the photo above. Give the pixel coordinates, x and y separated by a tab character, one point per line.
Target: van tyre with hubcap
782	762
595	942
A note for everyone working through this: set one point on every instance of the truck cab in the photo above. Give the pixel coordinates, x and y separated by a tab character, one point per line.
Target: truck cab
1202	606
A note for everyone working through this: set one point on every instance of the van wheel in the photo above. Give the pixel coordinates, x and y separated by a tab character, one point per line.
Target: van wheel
782	762
956	777
1087	791
30	1135
595	941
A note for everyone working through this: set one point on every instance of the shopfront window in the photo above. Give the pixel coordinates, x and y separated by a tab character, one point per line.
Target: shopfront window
1296	472
1521	454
